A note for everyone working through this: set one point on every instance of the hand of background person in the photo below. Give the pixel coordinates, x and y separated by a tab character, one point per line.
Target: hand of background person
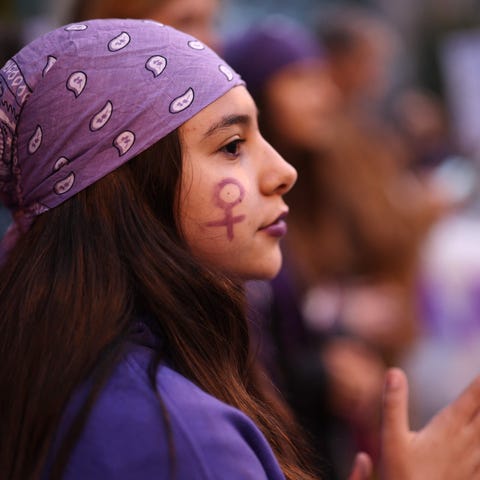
356	376
362	467
447	448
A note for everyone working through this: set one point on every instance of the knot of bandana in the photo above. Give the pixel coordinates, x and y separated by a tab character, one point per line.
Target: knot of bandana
82	100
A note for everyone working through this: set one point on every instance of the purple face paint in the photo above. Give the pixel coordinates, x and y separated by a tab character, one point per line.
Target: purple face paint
228	193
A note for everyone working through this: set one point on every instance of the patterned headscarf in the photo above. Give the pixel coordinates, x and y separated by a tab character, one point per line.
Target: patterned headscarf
83	99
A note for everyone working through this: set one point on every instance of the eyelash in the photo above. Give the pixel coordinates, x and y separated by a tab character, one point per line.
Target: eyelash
236	144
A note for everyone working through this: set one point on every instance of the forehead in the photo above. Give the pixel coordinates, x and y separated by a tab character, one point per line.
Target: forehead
236	102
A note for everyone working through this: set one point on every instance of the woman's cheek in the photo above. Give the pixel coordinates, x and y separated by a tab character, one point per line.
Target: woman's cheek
227	194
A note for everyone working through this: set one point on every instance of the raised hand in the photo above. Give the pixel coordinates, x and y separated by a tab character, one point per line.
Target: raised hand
447	448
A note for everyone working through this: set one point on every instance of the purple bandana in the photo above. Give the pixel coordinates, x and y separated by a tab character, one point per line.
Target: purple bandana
82	100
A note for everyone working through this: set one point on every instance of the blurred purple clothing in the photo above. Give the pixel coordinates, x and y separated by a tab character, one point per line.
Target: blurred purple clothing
125	436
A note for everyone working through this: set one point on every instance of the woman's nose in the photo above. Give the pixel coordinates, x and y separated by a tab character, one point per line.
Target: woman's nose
278	176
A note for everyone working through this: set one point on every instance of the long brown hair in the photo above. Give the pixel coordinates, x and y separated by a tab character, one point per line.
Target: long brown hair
71	287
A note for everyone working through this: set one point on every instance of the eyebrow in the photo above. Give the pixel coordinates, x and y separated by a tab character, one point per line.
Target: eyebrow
228	121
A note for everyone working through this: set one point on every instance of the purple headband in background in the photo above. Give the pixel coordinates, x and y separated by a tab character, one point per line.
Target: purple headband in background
269	46
83	99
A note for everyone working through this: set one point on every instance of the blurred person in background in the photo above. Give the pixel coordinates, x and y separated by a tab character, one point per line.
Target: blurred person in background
366	58
360	46
195	17
424	120
449	265
361	50
342	307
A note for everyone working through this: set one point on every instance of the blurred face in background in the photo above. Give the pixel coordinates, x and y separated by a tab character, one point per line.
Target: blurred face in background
301	99
196	17
364	69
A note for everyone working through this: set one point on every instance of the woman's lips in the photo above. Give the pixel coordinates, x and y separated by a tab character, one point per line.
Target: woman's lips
278	228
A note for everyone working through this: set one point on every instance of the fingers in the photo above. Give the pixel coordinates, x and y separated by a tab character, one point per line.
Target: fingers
475	424
362	467
395	431
395	405
467	404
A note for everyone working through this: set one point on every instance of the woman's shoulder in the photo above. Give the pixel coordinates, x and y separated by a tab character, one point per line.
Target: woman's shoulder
136	432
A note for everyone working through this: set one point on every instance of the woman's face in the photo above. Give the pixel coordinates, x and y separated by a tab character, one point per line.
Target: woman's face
300	100
231	206
196	17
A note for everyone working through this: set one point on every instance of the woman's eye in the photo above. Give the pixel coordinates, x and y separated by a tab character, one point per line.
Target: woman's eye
233	147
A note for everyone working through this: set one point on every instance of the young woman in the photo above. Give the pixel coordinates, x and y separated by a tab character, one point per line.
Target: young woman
143	195
114	268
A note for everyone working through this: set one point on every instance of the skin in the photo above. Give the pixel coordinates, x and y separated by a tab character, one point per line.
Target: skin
301	98
364	71
228	194
196	17
446	449
231	188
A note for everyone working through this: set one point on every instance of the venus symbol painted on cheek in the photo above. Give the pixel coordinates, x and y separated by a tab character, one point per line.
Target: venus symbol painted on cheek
228	194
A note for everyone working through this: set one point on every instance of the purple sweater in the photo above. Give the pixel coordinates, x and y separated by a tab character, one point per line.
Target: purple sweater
125	437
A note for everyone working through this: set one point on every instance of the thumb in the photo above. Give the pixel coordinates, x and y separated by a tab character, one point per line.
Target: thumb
395	423
362	467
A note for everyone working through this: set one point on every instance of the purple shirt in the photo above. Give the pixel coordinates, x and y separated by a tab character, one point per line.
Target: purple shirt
125	435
